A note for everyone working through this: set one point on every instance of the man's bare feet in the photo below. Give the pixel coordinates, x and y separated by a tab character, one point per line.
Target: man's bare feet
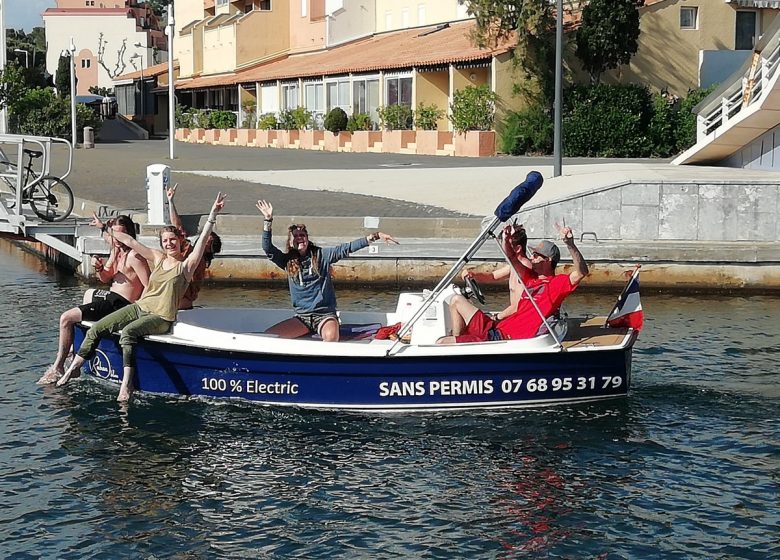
51	375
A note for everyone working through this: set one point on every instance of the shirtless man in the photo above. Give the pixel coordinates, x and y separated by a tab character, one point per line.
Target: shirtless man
128	274
519	242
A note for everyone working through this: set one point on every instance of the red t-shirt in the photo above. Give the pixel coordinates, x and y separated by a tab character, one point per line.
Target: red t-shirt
549	293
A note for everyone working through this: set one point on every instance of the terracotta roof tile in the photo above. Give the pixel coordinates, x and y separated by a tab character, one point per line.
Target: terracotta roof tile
422	46
153	71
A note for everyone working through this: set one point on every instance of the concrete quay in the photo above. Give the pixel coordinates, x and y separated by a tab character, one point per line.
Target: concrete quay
692	228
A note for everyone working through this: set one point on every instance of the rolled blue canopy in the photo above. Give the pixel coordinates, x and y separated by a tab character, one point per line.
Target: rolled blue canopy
521	194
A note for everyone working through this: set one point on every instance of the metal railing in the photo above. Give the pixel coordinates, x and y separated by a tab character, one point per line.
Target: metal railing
743	88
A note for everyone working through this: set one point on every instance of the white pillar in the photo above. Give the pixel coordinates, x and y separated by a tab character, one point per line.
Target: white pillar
72	51
3	112
170	30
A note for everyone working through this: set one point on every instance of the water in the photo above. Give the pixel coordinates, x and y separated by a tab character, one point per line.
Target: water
687	467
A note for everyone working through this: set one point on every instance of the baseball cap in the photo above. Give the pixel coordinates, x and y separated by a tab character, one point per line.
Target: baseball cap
549	250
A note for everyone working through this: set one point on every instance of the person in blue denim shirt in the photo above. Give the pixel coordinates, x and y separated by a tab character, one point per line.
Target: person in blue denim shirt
308	275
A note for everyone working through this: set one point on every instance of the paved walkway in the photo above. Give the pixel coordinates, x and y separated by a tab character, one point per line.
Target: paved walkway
305	183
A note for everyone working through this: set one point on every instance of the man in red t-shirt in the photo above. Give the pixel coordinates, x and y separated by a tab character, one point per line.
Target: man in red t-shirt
469	324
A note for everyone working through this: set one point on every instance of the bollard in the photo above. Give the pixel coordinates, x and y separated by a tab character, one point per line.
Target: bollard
158	178
89	137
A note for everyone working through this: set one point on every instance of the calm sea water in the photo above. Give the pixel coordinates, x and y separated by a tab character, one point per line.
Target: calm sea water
688	466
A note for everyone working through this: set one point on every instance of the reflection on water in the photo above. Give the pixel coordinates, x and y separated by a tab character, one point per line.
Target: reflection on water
686	467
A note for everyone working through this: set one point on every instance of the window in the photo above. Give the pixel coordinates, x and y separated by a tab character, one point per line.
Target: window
388	20
304	8
365	97
745	38
405	18
398	91
337	95
86	63
689	17
248	7
265	5
314	99
420	14
289	96
222	2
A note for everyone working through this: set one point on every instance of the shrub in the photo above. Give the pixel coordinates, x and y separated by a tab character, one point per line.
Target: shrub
426	117
473	108
529	131
250	114
686	122
396	117
360	121
183	117
336	120
41	113
663	126
200	118
222	119
607	121
267	121
294	119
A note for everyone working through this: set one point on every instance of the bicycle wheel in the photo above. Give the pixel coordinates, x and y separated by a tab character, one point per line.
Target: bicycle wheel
7	185
51	199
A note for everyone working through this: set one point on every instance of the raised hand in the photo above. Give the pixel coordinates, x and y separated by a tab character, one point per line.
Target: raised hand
219	203
266	209
387	238
565	232
170	192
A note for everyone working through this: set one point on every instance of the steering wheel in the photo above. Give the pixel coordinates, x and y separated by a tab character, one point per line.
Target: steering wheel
473	290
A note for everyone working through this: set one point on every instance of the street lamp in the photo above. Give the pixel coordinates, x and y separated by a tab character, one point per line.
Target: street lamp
141	64
169	30
26	55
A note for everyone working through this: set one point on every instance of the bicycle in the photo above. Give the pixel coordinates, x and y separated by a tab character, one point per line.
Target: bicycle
49	197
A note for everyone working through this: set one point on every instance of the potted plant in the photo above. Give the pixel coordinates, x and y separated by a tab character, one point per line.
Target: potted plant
267	126
225	123
336	123
248	131
472	113
396	122
429	140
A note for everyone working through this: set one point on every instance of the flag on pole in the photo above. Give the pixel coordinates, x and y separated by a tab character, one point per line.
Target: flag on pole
628	309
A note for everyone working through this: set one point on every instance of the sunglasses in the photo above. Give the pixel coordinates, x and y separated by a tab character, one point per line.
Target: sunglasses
535	254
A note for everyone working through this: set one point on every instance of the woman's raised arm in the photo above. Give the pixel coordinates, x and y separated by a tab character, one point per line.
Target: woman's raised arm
151	255
193	259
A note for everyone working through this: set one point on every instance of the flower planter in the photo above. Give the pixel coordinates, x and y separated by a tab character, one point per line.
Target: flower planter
312	139
182	134
197	135
394	140
288	139
337	142
431	142
365	140
227	137
475	143
246	136
212	136
266	138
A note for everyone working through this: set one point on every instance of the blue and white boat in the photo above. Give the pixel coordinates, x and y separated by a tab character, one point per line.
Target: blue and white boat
225	353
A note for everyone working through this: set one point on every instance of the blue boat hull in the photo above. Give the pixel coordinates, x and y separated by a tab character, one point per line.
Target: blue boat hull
379	383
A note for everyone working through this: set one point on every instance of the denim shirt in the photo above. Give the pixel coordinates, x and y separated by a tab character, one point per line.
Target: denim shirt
311	291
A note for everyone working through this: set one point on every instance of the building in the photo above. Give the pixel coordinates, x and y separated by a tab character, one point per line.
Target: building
109	38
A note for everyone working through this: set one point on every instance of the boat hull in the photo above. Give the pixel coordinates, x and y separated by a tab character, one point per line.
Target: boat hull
370	383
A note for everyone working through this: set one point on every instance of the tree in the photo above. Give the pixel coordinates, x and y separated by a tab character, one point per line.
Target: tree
62	80
608	35
532	22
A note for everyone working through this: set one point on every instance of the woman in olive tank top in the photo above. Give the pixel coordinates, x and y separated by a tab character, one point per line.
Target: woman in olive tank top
155	310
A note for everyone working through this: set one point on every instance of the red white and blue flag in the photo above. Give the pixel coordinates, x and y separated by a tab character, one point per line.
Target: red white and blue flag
628	309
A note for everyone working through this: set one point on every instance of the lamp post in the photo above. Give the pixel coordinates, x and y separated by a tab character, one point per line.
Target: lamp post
26	55
71	52
141	64
169	30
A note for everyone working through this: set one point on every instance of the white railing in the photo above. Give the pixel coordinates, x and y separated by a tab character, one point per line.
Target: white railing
746	87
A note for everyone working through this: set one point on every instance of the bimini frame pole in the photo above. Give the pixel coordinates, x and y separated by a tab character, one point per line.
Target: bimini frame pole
530	297
521	194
